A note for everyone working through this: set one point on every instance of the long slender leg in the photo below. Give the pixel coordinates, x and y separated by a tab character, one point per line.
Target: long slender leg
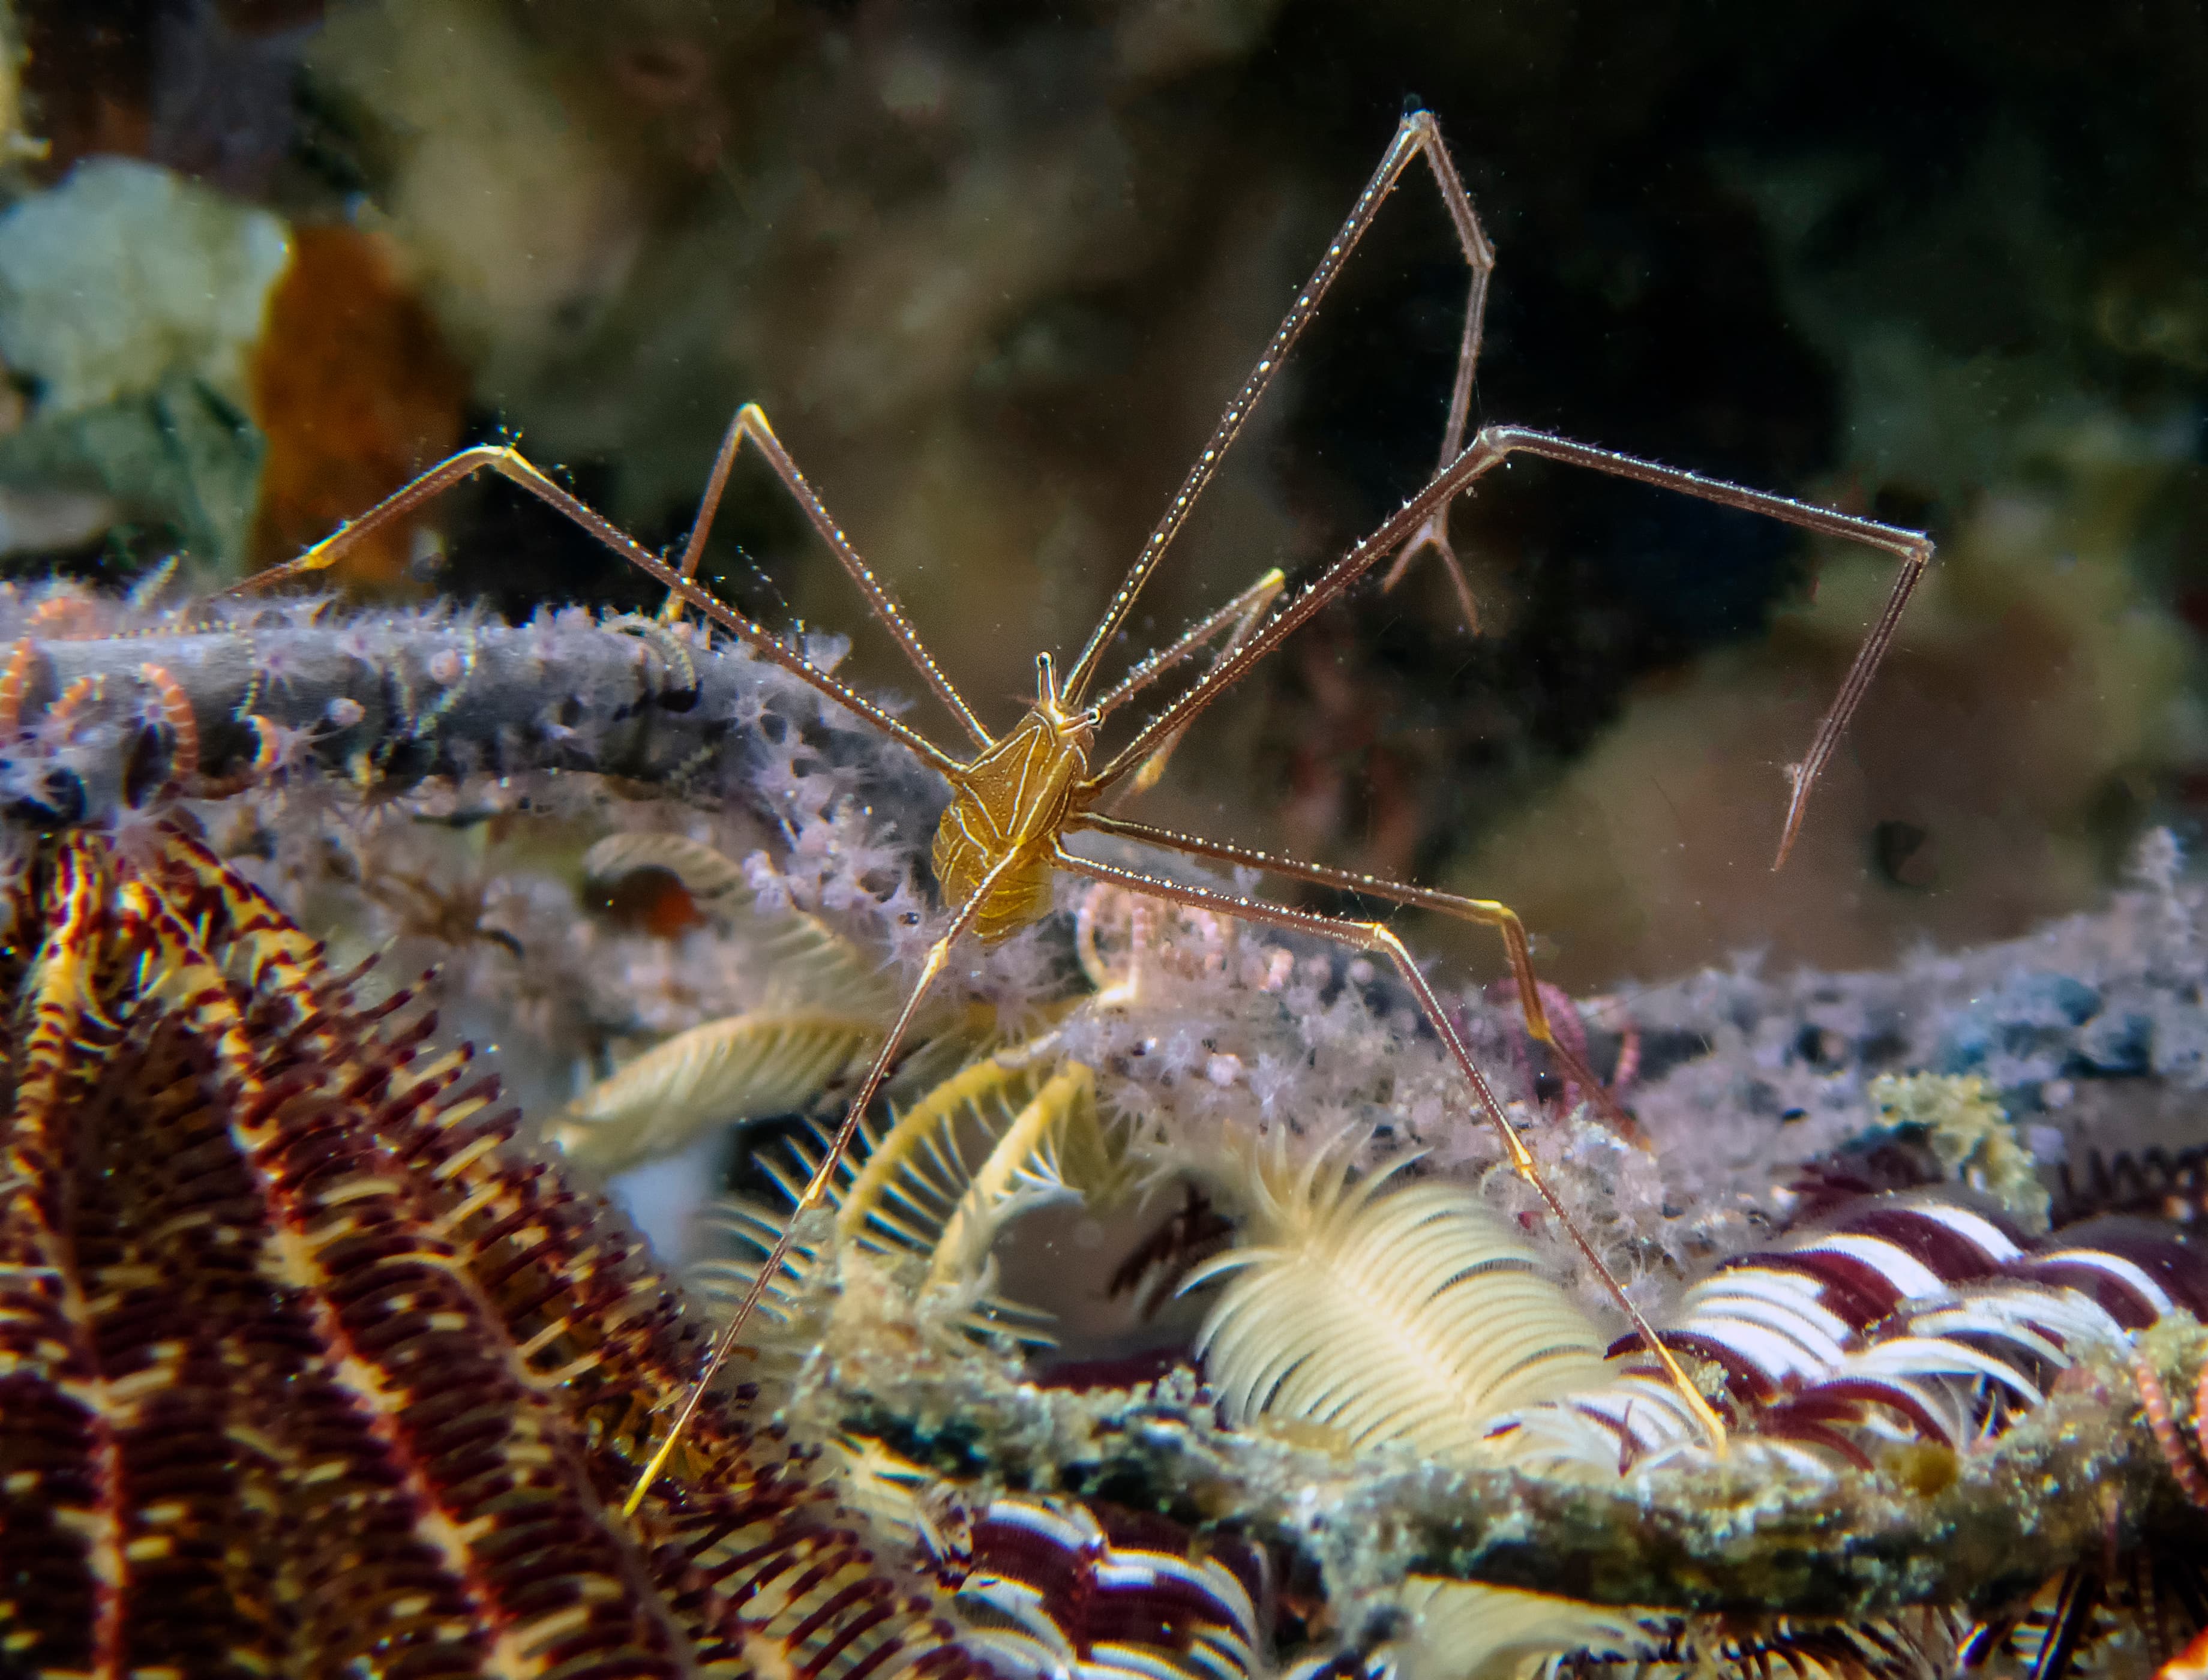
751	423
1239	617
1479	258
1912	548
1376	936
1418	136
1314	596
511	465
1482	912
1242	614
1489	449
823	1175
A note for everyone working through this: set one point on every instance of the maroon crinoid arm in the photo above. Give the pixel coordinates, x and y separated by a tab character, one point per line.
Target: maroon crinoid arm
305	1365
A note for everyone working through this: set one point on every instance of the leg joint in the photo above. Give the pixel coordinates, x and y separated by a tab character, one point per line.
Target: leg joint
1378	936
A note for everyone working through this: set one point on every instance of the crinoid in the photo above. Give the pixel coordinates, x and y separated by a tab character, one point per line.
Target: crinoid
305	1367
1025	794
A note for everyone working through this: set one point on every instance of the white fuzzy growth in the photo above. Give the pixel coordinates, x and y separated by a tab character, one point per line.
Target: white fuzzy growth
126	272
1394	1312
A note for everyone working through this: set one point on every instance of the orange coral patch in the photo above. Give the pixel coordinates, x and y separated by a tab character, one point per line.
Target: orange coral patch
356	392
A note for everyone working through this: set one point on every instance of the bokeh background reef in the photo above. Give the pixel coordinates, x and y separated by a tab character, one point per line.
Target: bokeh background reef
993	268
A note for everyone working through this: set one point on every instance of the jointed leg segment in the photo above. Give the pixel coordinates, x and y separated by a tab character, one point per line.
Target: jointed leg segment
1912	548
1494	445
1376	936
1238	618
1418	136
751	423
1479	258
1481	912
516	469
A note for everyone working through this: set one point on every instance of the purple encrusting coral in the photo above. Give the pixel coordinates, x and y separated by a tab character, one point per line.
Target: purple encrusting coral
391	698
2083	1030
2092	1032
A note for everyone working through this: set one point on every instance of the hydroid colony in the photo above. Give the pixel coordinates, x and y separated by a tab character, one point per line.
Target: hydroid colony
384	1320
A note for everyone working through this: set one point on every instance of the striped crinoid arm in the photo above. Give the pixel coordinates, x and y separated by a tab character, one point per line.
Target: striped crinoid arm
323	1450
58	1466
309	1368
755	1554
1914	1317
749	1546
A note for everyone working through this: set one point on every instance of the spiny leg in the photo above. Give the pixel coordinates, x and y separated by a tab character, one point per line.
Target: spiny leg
1376	936
1913	548
1481	912
823	1175
1417	136
751	421
1479	258
512	466
1488	450
1305	603
1239	617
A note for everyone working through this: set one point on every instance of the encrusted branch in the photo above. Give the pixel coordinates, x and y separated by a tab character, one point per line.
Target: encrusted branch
100	704
2077	1477
102	707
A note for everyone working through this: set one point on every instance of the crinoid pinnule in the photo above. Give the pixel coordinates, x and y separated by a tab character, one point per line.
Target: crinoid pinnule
305	1367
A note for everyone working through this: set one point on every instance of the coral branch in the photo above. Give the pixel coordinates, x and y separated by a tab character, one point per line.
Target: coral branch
1930	1526
379	699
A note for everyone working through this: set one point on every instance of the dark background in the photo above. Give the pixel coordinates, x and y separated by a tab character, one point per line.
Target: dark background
993	269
